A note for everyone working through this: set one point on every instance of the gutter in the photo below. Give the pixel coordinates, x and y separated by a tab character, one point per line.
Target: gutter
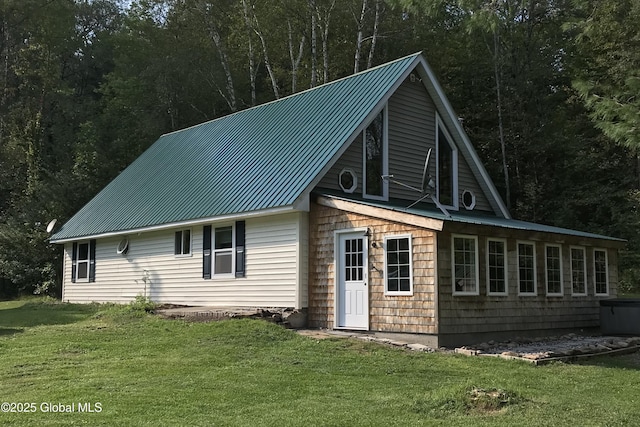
187	223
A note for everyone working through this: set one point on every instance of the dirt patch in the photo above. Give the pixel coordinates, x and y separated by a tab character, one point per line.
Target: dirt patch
488	401
317	334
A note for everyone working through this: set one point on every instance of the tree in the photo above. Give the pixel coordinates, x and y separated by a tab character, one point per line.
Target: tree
608	77
53	57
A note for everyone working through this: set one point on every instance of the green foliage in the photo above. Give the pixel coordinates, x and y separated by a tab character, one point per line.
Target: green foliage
138	308
85	87
608	79
142	303
28	259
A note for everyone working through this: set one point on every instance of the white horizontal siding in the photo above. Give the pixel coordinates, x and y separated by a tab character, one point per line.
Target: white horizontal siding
272	277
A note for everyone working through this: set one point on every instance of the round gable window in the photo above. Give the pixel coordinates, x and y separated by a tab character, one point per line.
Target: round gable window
468	199
348	180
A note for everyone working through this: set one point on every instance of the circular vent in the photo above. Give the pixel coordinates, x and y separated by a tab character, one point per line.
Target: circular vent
468	199
348	180
123	247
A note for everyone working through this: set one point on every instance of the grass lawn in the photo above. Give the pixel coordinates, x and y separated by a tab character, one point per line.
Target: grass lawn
142	370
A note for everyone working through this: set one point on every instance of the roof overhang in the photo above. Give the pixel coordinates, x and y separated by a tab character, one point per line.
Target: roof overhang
436	221
381	213
189	223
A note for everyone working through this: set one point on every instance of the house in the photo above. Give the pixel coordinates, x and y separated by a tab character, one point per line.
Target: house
361	201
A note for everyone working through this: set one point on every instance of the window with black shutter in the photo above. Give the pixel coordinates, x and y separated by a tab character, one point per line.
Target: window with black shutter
83	261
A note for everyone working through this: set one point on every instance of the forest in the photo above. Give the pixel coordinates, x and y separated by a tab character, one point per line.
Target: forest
548	92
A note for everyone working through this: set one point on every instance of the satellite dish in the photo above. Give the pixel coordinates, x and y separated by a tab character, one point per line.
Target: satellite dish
51	225
425	172
123	247
427	185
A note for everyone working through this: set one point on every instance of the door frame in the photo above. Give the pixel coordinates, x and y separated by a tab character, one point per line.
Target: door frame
337	264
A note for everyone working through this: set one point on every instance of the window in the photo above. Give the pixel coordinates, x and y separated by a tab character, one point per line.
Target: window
398	265
600	272
465	265
83	261
578	272
526	268
223	250
375	159
447	168
183	242
496	267
348	180
553	269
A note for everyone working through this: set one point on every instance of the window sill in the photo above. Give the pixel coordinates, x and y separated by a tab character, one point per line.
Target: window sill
224	276
399	294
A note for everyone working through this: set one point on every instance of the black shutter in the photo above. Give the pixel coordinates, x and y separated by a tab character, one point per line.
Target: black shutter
206	252
74	261
92	260
178	243
240	252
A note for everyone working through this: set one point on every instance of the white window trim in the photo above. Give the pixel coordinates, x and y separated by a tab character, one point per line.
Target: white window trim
606	260
87	261
214	251
535	268
354	178
455	196
190	253
546	271
506	269
385	158
396	237
584	270
453	265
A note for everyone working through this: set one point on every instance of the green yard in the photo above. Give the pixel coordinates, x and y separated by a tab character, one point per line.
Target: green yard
136	369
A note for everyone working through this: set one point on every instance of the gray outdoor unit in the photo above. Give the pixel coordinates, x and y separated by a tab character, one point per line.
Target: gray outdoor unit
620	316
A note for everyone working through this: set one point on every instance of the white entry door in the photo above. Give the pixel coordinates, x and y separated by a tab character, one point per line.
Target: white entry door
352	295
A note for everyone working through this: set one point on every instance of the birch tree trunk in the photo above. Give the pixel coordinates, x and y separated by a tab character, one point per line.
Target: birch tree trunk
265	53
360	22
324	20
229	94
295	61
5	75
314	52
503	147
252	63
374	36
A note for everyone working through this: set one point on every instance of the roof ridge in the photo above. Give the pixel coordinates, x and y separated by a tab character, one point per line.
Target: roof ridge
263	159
323	85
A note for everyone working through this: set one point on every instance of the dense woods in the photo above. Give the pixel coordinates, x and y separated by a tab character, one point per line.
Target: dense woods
547	90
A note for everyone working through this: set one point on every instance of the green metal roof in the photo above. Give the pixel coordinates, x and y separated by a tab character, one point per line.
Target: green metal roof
261	158
468	217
